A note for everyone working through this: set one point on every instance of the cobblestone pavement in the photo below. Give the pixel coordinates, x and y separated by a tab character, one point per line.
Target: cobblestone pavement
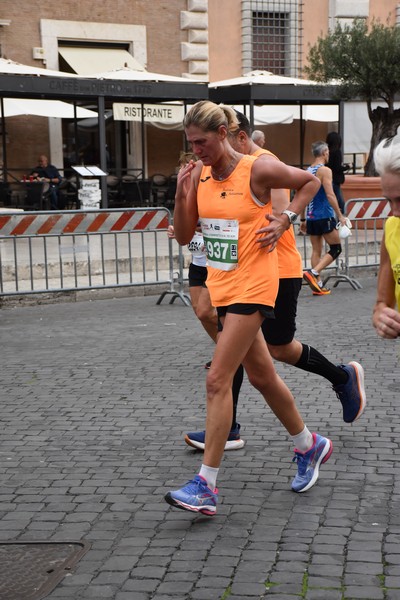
95	400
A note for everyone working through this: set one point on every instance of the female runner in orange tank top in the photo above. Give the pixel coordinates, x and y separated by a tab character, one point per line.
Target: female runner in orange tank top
221	190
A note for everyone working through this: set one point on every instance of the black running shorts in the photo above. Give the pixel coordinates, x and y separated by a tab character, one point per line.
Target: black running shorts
244	309
197	276
281	330
320	226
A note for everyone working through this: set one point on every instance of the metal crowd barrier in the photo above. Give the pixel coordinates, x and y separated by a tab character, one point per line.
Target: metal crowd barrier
81	250
94	249
362	249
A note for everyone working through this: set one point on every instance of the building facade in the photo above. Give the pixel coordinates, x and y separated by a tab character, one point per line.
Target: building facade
208	40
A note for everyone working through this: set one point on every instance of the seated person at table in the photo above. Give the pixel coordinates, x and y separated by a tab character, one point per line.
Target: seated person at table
46	172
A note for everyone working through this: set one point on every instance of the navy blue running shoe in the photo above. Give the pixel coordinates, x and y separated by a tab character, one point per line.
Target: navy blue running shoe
196	439
352	393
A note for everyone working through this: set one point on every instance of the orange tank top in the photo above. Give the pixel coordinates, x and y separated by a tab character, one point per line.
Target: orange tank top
239	271
289	258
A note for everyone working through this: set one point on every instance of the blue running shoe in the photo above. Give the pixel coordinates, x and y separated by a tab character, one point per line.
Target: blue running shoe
308	463
196	439
352	394
194	496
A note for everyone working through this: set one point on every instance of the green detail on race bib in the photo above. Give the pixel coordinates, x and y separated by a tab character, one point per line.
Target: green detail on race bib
221	238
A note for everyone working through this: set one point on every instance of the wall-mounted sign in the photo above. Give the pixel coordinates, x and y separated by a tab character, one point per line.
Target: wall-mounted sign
167	114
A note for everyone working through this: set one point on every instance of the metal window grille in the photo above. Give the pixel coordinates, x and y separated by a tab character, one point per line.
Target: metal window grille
272	36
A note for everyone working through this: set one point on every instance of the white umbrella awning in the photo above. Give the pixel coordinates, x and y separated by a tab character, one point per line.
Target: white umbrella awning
10	67
358	127
44	108
128	74
170	115
286	114
326	113
262	78
272	115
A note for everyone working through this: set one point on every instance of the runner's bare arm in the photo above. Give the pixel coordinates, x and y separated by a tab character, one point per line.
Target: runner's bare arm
280	200
278	175
185	212
386	319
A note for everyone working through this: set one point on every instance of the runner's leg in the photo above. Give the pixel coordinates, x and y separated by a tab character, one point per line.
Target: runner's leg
233	344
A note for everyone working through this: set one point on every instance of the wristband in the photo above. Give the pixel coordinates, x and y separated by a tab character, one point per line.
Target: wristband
302	220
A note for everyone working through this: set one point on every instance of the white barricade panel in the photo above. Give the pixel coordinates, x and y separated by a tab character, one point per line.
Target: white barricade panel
85	249
367	208
101	221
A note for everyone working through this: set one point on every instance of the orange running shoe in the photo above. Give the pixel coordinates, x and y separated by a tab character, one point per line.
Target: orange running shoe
312	281
323	291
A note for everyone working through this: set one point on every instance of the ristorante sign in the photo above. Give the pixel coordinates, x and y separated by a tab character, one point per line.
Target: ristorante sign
167	114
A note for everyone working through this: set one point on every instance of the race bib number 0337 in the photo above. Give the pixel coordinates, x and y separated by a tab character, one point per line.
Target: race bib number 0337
221	238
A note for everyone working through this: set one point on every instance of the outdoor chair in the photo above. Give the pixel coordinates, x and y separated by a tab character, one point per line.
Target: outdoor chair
131	195
171	191
113	190
159	187
68	194
5	194
36	196
145	187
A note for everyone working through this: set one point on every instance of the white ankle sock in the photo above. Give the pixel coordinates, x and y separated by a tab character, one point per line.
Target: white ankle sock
210	475
314	272
303	440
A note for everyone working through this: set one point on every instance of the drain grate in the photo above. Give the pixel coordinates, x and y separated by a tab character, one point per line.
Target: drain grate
31	570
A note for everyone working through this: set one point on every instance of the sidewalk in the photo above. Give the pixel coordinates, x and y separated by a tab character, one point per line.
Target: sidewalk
96	398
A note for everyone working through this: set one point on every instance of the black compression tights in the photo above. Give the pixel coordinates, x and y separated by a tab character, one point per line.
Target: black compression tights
236	385
314	362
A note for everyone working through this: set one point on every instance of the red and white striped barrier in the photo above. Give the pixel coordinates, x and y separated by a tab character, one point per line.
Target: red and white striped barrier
101	221
367	208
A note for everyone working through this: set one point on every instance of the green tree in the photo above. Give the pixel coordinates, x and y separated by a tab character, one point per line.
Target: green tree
365	63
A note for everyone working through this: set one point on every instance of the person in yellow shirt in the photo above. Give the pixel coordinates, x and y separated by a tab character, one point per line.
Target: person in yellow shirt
386	319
